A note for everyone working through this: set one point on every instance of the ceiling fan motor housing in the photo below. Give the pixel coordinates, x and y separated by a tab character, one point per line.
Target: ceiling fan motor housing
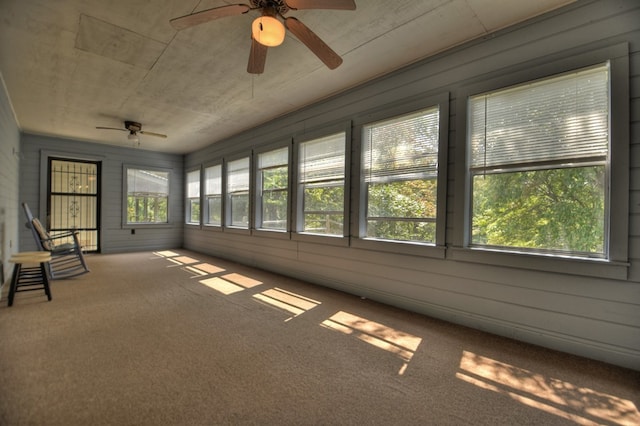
132	126
278	6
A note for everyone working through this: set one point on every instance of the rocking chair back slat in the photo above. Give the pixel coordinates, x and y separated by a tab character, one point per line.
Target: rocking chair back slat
67	258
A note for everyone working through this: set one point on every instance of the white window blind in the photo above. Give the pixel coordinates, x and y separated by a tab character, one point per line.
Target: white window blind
405	147
193	184
213	180
148	182
238	175
557	119
323	159
274	158
213	194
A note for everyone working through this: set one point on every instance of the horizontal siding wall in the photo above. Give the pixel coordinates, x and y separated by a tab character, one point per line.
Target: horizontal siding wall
114	237
9	183
593	317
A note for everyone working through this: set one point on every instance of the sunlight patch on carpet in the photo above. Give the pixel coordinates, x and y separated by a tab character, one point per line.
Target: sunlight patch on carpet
204	269
242	280
221	285
404	345
230	283
581	405
183	260
166	253
287	301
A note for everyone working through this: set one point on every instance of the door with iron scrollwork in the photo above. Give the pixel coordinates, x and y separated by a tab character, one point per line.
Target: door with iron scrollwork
74	200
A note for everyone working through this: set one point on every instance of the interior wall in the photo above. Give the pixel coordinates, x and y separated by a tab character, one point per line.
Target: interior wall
587	315
9	181
114	236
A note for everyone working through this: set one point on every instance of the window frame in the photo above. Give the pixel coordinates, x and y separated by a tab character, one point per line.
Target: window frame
297	196
125	197
227	202
616	264
205	197
188	200
437	249
258	230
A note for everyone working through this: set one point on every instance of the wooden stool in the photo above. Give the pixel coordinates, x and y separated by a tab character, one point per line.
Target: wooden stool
29	278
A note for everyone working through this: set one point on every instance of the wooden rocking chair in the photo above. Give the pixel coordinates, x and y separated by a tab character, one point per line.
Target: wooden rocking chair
67	259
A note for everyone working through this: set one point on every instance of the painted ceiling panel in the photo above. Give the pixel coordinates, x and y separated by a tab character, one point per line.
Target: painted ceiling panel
110	41
72	65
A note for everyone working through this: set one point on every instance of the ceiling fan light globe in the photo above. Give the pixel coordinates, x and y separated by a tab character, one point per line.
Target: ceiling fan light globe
268	31
133	137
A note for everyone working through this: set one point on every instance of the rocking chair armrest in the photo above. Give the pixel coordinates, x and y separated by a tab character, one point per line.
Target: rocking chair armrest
53	238
63	235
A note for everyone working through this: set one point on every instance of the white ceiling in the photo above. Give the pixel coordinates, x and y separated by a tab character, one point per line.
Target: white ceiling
72	65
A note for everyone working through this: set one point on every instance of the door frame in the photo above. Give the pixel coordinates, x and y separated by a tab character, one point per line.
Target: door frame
45	158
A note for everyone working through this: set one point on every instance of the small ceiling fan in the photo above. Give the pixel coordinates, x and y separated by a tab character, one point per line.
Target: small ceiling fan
134	129
268	31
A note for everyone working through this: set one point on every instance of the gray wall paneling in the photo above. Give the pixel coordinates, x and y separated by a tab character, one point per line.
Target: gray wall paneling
9	182
115	237
593	317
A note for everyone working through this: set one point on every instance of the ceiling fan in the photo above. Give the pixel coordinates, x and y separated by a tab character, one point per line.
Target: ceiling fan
268	31
134	129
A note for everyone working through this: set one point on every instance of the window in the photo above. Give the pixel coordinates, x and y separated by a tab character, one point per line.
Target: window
539	165
400	177
238	192
321	181
193	197
273	183
213	195
147	196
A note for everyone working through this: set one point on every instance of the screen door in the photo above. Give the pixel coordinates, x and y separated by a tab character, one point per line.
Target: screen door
74	200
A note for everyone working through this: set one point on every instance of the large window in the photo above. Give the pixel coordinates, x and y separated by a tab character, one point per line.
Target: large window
539	165
147	196
213	195
193	197
399	175
321	182
238	193
273	183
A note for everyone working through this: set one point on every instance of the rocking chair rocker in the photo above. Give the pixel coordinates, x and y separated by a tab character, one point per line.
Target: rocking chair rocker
67	259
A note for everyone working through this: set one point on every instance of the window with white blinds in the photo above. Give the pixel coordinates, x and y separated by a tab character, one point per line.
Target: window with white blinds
554	120
213	195
538	164
193	197
238	192
273	182
399	175
321	179
403	147
322	159
147	196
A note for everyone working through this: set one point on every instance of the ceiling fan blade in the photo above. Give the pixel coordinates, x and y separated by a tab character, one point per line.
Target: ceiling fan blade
322	4
111	128
159	135
208	15
330	58
257	57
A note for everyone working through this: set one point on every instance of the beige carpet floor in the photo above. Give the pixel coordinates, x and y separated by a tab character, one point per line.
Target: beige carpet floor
179	338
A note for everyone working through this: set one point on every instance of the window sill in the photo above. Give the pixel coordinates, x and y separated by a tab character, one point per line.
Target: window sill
600	268
272	233
321	239
237	230
400	247
148	225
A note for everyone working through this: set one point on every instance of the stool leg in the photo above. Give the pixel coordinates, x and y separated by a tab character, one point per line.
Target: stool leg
45	280
14	282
